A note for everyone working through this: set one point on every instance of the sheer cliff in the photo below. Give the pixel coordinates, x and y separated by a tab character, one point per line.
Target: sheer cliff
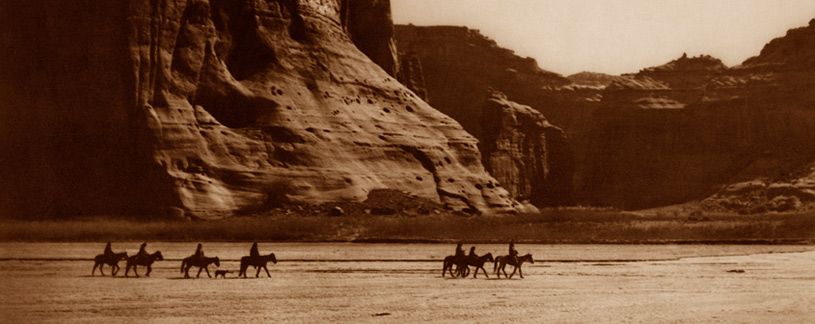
682	131
213	108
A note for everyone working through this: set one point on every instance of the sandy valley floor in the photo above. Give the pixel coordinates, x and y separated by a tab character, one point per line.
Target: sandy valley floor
314	283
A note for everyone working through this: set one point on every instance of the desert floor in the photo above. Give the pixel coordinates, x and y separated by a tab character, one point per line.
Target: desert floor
335	282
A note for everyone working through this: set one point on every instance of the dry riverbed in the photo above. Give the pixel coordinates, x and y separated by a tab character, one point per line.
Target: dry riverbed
328	282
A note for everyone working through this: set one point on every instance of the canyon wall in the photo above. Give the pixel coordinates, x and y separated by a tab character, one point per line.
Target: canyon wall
530	157
669	134
213	108
460	65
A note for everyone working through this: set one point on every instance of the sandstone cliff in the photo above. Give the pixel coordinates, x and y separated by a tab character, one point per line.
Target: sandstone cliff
779	84
592	79
525	153
460	65
681	131
213	108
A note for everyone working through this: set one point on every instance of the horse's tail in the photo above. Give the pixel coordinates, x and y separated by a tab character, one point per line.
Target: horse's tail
495	264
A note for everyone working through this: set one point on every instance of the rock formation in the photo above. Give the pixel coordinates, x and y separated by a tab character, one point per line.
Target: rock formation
779	86
681	131
667	134
460	65
592	79
370	26
411	75
213	108
525	153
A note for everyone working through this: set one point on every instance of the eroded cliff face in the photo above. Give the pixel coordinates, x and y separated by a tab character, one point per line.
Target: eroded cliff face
665	135
370	26
213	108
460	65
684	130
530	157
779	85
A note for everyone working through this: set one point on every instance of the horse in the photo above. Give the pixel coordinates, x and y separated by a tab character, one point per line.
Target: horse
502	261
201	263
258	262
143	261
478	263
102	259
460	263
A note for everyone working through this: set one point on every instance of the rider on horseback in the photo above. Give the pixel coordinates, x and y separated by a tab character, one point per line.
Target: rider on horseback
199	252
459	251
108	252
472	254
142	253
253	252
513	253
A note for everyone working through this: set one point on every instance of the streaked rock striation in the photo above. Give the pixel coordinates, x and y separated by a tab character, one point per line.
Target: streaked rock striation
216	108
669	134
525	153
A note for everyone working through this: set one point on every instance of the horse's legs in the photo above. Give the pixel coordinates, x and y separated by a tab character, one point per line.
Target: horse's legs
482	269
94	269
207	270
149	268
187	271
257	275
513	272
520	271
134	270
114	270
267	271
199	272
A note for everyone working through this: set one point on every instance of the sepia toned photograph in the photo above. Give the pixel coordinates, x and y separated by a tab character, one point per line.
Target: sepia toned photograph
407	161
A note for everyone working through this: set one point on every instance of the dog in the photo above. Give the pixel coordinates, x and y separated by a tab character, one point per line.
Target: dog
222	273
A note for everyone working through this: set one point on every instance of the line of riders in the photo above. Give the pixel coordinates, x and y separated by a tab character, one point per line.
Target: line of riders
459	263
142	258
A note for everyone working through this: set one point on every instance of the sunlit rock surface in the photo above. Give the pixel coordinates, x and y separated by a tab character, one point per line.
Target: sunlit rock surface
215	108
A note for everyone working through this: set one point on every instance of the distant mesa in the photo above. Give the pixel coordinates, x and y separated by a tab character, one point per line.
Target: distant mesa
592	79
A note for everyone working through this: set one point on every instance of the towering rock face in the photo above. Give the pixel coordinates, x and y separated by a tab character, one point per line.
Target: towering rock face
460	65
411	75
669	134
682	131
214	108
779	86
370	26
529	156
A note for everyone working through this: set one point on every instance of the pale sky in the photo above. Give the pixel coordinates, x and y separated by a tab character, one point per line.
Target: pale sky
616	36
